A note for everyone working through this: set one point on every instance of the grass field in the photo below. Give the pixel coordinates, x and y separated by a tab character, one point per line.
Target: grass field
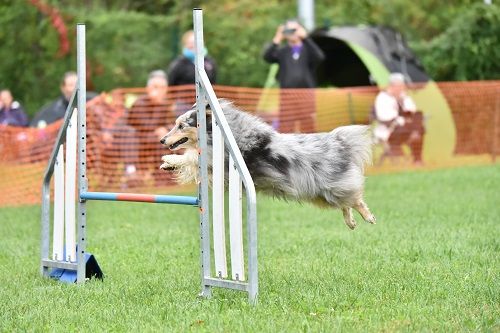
430	264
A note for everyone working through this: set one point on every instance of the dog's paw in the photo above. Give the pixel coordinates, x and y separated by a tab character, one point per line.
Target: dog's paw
371	219
350	223
167	165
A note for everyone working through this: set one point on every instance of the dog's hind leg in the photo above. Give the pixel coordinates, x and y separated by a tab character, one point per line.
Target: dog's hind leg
334	202
364	211
348	218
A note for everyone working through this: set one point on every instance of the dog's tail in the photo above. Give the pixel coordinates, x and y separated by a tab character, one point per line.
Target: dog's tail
359	141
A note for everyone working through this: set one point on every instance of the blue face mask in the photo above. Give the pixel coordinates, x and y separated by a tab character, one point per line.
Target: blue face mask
190	53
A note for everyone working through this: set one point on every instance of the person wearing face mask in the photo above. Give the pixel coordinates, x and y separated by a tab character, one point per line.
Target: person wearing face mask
298	59
181	71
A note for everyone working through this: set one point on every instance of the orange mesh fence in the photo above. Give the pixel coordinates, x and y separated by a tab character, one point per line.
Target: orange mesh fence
476	110
24	153
124	127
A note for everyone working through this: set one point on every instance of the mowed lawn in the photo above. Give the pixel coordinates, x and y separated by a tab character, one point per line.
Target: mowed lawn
430	264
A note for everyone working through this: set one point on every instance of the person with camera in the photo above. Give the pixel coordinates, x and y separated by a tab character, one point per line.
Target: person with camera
298	59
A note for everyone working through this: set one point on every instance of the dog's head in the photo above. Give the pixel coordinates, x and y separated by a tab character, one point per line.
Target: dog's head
185	132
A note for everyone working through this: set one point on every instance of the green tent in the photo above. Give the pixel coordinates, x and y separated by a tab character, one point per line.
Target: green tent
365	55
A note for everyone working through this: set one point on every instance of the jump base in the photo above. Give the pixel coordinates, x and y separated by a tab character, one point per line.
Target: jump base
92	270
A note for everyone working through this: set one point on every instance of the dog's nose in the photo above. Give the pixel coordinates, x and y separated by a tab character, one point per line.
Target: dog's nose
162	141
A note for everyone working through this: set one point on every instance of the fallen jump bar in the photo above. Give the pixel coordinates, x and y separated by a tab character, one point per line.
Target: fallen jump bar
168	199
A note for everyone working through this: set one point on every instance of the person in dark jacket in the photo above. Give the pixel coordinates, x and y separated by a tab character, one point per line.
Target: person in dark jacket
297	61
11	112
181	70
12	140
56	110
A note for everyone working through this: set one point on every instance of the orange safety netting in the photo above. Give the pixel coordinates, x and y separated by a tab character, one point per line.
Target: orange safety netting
476	110
124	127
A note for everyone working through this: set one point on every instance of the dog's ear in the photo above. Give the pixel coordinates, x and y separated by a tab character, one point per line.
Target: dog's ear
208	111
193	119
209	119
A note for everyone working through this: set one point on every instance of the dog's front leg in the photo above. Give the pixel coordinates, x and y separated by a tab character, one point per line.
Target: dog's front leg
184	166
172	162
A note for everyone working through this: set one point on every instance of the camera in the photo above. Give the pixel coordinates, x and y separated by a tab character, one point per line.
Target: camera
289	31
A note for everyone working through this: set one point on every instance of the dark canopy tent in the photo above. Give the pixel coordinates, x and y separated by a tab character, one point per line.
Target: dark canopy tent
363	56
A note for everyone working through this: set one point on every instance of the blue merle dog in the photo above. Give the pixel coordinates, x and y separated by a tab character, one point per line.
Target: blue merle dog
326	169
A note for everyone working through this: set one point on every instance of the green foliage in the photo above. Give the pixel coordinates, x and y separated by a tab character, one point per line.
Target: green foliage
237	44
123	47
28	47
468	49
417	20
430	264
126	39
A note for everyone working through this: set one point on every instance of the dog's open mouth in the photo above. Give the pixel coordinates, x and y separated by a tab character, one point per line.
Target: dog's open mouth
178	143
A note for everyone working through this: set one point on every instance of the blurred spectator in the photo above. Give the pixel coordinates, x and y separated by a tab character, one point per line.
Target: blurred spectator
297	61
398	121
11	112
57	109
114	143
149	116
181	70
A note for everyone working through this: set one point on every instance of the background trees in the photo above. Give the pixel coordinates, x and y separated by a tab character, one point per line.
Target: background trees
455	40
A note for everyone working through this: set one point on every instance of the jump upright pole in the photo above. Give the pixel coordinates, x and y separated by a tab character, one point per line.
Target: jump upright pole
205	250
205	94
82	150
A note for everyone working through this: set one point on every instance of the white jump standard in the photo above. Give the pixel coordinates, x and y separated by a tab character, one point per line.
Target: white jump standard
70	262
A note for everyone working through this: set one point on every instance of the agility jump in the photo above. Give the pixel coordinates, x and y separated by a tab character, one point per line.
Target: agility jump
69	261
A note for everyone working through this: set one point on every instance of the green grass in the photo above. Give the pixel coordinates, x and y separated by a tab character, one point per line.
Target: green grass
430	264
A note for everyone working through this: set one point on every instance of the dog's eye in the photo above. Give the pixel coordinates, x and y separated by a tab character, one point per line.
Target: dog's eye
181	126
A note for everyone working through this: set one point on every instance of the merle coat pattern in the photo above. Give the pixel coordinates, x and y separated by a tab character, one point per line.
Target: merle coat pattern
326	169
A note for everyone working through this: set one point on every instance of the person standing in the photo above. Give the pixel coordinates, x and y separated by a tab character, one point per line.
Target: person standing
297	60
182	71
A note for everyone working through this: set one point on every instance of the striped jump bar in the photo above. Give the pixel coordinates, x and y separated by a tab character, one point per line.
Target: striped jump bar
167	199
